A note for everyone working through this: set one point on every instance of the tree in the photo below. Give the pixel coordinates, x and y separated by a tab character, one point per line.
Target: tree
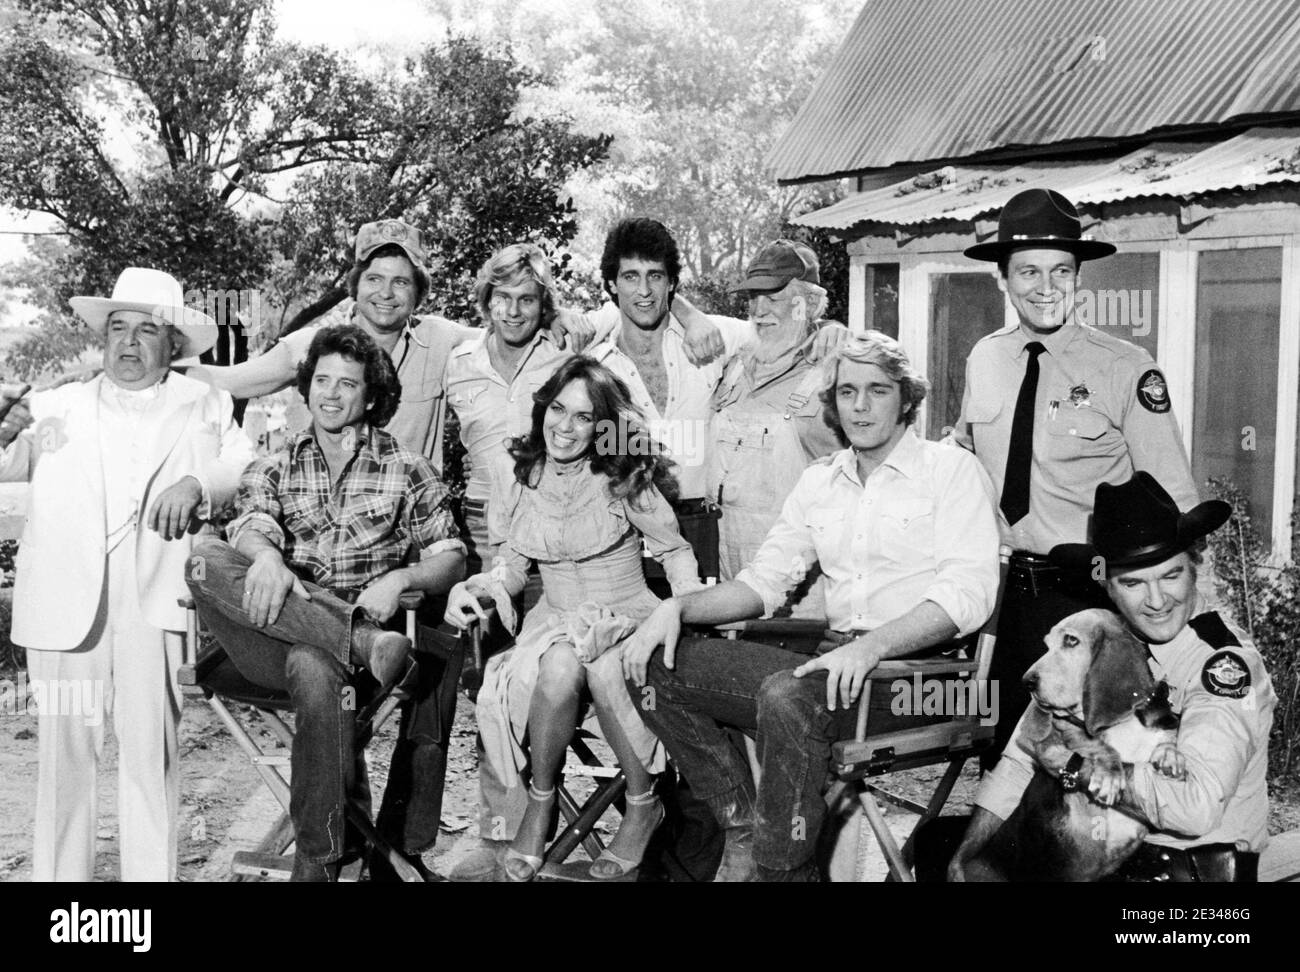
453	156
182	135
697	91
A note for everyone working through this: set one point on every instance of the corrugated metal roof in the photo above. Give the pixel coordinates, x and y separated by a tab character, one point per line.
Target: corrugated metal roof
1256	157
950	79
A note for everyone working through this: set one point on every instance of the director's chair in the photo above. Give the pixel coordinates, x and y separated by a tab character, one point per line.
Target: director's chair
206	670
857	763
580	818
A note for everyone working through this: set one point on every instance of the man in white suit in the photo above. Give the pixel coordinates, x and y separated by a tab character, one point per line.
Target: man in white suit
121	469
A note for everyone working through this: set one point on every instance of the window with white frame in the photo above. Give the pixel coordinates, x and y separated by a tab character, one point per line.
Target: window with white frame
963	308
1238	320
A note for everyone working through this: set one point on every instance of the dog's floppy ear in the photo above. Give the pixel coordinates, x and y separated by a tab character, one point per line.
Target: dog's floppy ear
1118	677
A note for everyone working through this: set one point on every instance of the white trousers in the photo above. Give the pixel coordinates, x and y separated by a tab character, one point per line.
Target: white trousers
125	670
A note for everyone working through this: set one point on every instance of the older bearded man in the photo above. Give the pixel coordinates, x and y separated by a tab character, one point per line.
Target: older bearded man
121	467
768	425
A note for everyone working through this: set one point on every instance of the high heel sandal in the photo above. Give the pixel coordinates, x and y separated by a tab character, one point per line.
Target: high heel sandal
621	867
531	863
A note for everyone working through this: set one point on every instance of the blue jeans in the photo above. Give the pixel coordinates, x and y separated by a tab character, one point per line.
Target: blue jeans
306	653
719	684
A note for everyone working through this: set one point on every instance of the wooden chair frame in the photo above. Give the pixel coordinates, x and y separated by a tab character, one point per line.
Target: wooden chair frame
856	762
199	674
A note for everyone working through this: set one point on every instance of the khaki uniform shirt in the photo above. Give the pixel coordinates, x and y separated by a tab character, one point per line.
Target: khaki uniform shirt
1225	700
1102	412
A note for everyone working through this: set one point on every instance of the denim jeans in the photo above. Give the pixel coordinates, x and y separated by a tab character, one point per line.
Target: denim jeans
718	684
306	652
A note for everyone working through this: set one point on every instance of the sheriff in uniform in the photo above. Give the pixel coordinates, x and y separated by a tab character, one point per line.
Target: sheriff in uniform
1052	408
1212	824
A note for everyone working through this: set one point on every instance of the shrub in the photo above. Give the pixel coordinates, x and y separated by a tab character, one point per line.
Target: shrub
1265	602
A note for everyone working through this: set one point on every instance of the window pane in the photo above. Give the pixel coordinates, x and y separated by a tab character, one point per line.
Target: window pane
882	298
1120	293
963	308
1238	313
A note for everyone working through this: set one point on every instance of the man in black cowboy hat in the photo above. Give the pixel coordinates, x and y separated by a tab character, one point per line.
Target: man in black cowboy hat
1053	408
1212	824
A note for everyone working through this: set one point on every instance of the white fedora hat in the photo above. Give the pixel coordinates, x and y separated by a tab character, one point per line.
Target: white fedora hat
158	294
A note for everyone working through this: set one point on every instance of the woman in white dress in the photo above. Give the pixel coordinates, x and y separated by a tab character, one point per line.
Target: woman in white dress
588	486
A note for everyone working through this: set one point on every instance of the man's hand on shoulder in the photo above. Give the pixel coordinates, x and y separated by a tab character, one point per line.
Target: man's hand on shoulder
383	597
172	513
704	340
267	585
846	667
572	329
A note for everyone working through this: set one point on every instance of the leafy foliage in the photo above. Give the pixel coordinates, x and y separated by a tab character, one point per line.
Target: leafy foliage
183	135
454	158
696	92
1265	601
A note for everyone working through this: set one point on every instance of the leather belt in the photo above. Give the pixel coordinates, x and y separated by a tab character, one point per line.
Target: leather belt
1033	574
696	507
1203	863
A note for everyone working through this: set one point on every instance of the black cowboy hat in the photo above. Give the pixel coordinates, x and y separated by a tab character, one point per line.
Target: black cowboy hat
1137	524
1039	219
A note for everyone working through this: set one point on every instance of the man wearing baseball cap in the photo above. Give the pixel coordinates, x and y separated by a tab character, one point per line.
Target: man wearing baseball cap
1053	408
122	469
387	283
767	424
1211	823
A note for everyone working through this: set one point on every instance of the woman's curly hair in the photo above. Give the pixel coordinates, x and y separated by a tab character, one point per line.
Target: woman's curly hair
621	449
383	389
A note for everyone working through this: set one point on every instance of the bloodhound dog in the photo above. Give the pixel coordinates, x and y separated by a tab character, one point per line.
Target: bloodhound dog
1094	696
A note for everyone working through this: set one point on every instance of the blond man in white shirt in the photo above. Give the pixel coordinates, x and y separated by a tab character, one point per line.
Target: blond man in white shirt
906	535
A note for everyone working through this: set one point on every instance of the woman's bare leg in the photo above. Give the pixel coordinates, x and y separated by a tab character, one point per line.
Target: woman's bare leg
642	818
552	715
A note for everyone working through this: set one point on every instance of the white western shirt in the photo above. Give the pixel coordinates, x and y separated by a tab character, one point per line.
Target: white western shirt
921	528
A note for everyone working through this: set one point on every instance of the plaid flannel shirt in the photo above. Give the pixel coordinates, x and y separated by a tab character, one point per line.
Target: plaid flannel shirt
388	501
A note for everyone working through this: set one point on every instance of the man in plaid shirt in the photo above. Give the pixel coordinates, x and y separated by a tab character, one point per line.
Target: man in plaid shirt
317	561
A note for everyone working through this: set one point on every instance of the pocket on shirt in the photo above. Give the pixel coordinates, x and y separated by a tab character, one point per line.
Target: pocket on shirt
829	530
907	529
461	397
303	514
741	461
1079	431
371	519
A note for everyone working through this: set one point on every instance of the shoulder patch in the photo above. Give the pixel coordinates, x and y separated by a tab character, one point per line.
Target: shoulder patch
1152	391
1226	675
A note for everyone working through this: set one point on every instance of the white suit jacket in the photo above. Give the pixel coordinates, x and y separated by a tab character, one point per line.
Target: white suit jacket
63	551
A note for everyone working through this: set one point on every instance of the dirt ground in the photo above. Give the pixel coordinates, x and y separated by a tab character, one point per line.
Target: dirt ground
224	807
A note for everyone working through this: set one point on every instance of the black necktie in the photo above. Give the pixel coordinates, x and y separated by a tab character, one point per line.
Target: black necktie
1015	486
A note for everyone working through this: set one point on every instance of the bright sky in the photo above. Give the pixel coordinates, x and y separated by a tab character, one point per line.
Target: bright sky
400	25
